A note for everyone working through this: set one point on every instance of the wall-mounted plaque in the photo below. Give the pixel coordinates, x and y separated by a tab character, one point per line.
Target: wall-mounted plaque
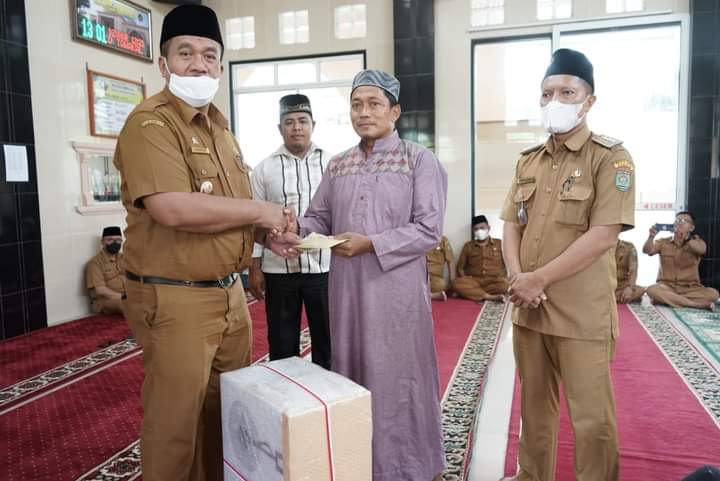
110	100
115	24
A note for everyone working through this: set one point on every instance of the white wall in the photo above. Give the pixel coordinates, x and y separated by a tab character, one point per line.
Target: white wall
60	116
453	84
378	42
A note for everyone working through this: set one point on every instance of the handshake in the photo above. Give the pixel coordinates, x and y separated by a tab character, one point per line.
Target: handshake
281	226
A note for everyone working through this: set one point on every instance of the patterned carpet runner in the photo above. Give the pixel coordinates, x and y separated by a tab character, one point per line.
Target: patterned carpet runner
667	399
86	411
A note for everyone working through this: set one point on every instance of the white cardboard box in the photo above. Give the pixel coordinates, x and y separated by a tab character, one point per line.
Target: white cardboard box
291	420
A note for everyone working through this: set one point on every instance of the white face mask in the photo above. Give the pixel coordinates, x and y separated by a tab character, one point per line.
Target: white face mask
194	91
481	234
558	118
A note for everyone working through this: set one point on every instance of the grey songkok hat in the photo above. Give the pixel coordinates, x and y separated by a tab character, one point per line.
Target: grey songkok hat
378	78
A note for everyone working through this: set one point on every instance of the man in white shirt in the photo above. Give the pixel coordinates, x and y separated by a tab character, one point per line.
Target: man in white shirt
290	177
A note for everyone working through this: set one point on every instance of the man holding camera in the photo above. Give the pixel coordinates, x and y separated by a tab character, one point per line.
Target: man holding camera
678	281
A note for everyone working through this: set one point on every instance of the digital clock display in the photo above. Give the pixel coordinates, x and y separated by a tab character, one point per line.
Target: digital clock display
116	24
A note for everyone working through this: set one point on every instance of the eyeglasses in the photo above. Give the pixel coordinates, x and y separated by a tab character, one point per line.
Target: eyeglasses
680	220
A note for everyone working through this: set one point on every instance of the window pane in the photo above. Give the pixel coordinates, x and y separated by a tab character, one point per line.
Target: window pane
259	137
335	70
343	14
296	73
302	35
253	75
563	8
506	84
634	5
614	6
544	10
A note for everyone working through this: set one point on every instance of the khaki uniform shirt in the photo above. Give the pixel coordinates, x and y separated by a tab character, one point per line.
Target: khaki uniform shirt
483	261
587	181
437	258
106	270
678	265
168	146
626	263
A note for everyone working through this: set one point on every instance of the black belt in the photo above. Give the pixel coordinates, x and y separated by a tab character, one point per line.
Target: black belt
224	282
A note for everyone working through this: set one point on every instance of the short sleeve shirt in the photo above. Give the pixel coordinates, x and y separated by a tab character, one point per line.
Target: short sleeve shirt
483	261
106	270
168	146
565	190
678	264
439	256
625	262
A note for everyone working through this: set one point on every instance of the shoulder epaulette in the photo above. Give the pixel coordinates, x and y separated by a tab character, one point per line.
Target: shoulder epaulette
531	149
606	141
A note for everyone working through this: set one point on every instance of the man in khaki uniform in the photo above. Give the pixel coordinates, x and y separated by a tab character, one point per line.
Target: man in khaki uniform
626	263
678	281
569	200
105	275
190	231
481	269
437	259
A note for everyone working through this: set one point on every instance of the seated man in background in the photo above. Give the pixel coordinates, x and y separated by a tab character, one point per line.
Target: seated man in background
627	263
481	274
105	274
678	281
437	258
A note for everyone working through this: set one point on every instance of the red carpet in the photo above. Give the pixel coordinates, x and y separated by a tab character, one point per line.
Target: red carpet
85	421
33	353
65	433
665	433
453	322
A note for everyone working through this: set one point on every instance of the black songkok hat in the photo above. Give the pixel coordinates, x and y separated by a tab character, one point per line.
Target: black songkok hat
294	103
111	231
571	62
196	20
479	219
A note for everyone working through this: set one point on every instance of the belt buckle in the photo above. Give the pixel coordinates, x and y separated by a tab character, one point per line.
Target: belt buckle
222	283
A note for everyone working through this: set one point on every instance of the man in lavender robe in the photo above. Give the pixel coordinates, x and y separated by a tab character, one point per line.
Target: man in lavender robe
387	197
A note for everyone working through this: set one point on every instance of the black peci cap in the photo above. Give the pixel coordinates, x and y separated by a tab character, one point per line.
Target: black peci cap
571	62
196	20
294	103
111	231
479	219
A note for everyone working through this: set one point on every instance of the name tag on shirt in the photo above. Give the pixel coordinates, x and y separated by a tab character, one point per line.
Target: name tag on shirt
200	150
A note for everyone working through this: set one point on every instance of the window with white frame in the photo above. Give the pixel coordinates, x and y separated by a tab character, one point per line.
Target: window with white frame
294	27
621	6
553	9
240	32
487	12
258	86
351	21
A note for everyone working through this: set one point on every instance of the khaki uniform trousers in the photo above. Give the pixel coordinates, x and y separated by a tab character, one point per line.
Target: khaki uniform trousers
189	336
477	289
693	295
582	366
107	306
437	283
637	293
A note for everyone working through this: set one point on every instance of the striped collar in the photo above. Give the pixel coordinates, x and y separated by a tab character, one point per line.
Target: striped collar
282	151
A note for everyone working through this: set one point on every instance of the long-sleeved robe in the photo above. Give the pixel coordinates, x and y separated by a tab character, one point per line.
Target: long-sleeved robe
380	315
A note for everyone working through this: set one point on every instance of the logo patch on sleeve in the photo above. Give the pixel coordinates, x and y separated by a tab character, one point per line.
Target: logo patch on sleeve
624	165
623	180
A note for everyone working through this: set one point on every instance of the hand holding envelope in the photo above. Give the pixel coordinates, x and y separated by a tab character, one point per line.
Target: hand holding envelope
318	241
